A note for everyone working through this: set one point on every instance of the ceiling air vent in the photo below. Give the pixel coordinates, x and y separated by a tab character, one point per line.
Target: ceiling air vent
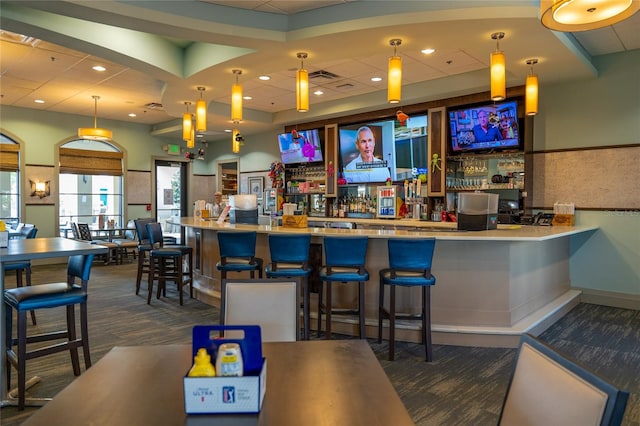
322	74
155	106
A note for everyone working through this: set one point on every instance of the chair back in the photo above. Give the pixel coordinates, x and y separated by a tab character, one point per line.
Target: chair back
411	254
130	233
84	232
79	266
29	231
289	248
154	232
271	304
74	230
141	229
237	244
547	388
345	251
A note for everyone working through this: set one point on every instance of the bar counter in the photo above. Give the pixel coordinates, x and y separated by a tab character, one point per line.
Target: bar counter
491	286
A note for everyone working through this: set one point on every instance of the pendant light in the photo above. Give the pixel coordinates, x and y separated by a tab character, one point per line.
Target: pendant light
95	132
201	112
394	78
498	70
302	85
531	90
236	99
236	141
191	142
187	123
583	15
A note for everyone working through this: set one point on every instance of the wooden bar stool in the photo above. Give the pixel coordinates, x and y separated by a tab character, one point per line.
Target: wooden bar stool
166	263
290	259
144	247
345	259
409	266
20	267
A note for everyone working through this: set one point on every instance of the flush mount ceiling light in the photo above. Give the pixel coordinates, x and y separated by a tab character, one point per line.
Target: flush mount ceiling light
584	15
498	70
394	78
201	112
302	85
531	90
236	99
95	133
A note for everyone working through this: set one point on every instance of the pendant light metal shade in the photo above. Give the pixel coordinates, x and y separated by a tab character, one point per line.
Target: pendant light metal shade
236	140
95	132
201	113
584	15
187	123
236	99
394	77
531	90
302	85
498	71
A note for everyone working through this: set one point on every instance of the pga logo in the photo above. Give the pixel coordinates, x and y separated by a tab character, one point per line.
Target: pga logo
228	395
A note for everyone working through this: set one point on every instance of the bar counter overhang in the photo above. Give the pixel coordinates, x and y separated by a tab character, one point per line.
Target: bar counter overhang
491	286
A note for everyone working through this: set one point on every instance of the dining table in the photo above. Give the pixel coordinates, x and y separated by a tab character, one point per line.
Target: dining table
311	383
32	249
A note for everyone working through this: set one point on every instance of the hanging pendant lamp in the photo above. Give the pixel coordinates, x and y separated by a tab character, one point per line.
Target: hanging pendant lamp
302	85
95	132
201	112
236	141
531	90
394	78
187	123
236	99
498	70
583	15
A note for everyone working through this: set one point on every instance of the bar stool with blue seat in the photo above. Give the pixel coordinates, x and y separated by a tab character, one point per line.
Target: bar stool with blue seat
144	247
345	260
290	259
44	296
166	263
22	266
238	253
409	266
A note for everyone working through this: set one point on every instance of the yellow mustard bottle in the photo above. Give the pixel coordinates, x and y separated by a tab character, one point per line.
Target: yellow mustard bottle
202	366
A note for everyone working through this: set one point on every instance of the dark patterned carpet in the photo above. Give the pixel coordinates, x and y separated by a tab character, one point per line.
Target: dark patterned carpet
463	386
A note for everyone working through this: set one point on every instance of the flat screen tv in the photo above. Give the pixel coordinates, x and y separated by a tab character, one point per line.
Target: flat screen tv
484	128
300	146
372	159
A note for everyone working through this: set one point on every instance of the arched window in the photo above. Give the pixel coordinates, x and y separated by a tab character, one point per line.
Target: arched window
91	183
9	181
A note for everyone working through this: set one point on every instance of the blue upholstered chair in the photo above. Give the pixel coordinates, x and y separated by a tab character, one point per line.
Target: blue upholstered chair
166	263
290	259
22	266
548	388
238	253
43	296
345	259
409	266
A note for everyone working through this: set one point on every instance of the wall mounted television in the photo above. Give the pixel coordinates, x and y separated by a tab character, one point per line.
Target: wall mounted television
484	128
399	151
300	146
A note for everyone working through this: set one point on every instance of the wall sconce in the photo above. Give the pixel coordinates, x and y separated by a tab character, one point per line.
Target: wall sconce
95	133
236	141
302	85
531	90
236	99
201	112
583	15
40	189
394	77
498	70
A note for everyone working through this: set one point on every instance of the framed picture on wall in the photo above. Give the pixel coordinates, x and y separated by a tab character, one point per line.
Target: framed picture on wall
256	185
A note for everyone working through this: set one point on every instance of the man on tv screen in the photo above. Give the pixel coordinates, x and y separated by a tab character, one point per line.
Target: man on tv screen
485	132
366	167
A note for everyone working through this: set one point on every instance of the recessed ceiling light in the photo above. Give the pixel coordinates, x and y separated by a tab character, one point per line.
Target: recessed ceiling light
264	77
131	114
228	130
428	51
376	79
318	92
99	68
199	135
39	101
248	98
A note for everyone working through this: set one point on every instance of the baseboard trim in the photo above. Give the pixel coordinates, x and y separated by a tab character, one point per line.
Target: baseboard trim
610	298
